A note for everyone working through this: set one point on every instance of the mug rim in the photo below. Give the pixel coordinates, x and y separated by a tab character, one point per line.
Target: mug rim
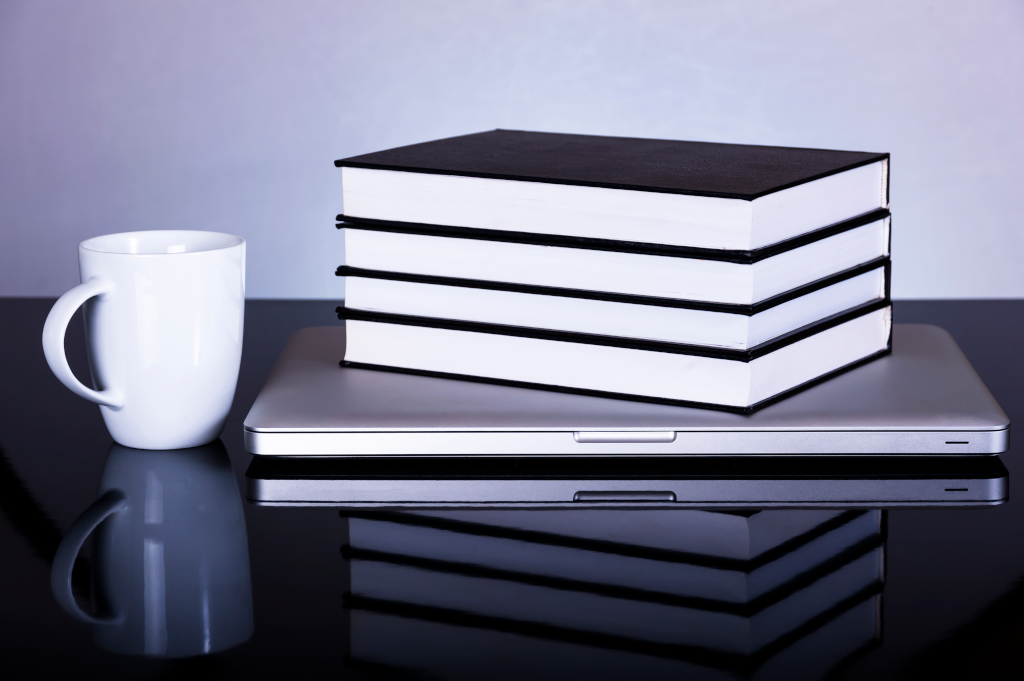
232	241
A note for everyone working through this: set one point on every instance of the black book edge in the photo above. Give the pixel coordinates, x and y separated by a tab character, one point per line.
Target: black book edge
348	163
616	342
730	308
594	244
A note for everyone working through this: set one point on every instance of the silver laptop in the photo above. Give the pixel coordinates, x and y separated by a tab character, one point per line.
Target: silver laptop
924	398
628	482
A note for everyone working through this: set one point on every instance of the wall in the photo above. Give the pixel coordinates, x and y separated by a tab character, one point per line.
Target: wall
227	115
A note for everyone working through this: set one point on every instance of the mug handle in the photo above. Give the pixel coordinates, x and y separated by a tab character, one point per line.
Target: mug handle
64	560
53	341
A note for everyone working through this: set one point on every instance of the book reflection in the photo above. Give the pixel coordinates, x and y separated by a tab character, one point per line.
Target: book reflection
752	594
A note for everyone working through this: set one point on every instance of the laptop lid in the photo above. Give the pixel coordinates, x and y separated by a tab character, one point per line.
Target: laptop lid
627	482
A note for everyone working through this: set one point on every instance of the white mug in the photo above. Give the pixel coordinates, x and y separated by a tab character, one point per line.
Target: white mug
164	312
170	556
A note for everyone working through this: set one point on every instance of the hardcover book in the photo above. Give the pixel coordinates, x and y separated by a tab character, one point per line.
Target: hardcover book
449	581
731	327
741	558
619	267
728	197
686	375
418	643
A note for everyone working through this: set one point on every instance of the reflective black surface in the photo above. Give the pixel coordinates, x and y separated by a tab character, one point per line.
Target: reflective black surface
904	593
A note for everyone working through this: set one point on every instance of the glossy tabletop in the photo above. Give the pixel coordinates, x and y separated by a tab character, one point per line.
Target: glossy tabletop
244	591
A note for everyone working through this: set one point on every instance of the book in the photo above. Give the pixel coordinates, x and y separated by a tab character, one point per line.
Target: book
557	599
692	567
659	621
734	327
732	535
689	194
420	644
686	375
621	268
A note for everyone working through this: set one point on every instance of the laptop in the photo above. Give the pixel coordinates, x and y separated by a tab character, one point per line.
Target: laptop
628	482
924	398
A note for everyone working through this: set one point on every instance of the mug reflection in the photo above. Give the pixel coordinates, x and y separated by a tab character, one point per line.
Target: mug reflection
766	594
170	561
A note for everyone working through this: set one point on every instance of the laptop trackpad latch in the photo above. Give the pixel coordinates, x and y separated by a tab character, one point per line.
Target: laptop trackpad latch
627	437
624	496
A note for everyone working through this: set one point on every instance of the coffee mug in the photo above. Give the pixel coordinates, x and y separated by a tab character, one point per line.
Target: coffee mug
170	557
164	312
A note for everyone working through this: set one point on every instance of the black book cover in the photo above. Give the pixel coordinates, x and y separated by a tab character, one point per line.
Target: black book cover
733	171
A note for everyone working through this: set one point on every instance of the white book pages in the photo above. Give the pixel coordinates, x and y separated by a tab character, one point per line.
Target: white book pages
617	214
627	371
727	330
616	272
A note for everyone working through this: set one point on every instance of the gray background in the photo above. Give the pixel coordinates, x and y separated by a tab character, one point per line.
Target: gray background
226	115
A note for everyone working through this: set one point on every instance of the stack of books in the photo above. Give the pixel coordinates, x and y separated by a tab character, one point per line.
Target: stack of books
767	594
699	274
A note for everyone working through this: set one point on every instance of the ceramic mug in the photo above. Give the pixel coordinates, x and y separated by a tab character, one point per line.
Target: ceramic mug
170	558
164	312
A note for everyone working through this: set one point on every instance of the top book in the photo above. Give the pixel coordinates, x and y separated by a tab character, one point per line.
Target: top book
701	195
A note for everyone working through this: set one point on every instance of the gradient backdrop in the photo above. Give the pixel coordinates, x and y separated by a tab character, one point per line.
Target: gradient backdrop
227	115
